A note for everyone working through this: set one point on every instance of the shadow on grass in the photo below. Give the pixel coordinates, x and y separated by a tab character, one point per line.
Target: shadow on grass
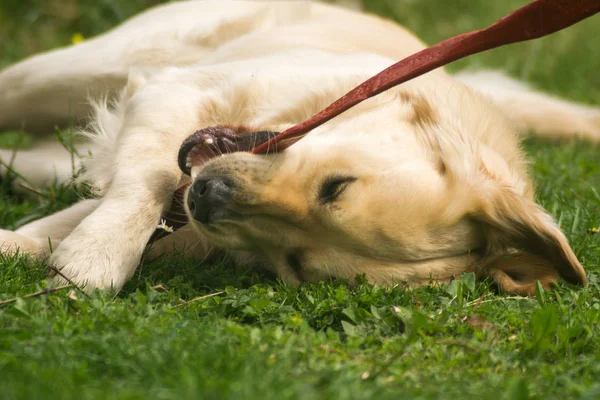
190	277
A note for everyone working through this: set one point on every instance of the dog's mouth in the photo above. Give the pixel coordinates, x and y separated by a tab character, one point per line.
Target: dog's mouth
212	142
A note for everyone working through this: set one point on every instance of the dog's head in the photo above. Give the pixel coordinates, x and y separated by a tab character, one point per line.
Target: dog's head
396	189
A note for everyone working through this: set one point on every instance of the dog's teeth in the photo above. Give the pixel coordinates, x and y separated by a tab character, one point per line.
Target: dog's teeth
208	141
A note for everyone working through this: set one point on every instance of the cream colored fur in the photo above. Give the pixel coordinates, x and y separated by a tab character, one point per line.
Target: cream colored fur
441	184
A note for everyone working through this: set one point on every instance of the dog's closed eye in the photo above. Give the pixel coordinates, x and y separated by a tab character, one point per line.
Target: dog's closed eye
333	187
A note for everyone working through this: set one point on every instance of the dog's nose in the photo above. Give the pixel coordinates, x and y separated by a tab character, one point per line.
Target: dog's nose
208	198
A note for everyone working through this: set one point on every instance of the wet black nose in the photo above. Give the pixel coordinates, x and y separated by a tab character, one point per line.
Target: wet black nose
208	198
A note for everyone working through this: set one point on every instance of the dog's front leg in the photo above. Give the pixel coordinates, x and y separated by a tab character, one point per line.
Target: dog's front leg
105	249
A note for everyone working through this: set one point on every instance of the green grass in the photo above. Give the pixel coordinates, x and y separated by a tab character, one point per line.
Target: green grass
263	339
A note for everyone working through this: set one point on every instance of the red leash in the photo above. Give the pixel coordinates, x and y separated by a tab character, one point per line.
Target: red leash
536	19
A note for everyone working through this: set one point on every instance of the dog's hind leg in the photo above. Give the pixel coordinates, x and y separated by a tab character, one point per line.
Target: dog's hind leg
53	88
38	238
536	112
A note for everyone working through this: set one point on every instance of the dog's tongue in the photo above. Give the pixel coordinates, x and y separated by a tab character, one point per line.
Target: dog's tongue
211	142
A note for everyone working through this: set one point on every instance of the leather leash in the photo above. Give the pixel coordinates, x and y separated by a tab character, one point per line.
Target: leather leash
534	20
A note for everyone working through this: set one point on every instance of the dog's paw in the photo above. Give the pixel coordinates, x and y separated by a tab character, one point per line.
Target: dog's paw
92	259
13	243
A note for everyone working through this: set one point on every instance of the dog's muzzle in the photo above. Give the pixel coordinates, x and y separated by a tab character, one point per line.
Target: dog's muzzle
209	197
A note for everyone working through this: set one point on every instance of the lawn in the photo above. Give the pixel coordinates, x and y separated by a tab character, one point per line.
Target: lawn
181	329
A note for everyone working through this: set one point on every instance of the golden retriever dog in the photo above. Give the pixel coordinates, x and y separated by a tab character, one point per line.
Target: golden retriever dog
416	185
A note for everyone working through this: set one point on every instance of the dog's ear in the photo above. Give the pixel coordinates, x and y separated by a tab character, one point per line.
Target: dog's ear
524	245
